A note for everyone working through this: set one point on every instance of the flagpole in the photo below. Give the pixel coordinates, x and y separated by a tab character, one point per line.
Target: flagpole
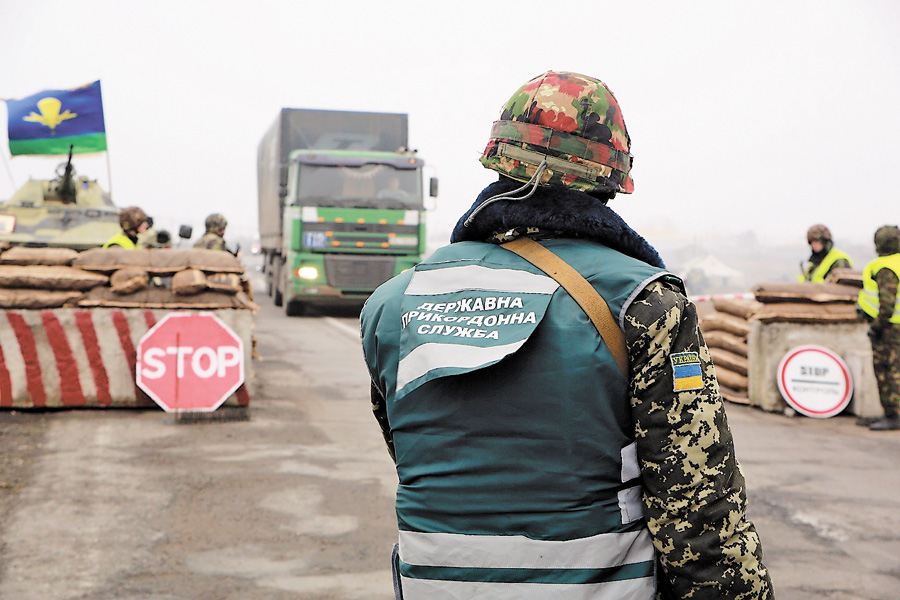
9	171
109	175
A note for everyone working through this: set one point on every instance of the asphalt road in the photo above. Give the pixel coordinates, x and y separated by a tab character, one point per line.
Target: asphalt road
297	502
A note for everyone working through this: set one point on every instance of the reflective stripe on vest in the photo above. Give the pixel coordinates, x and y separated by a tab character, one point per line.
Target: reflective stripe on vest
449	565
868	296
819	273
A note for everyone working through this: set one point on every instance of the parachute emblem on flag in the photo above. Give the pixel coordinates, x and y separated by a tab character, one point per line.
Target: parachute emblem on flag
50	115
52	121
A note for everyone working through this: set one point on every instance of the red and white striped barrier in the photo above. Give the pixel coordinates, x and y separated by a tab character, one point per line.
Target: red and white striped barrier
68	357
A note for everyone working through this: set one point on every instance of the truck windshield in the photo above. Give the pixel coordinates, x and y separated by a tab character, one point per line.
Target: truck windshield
370	186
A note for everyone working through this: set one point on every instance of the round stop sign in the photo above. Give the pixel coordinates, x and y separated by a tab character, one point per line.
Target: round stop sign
190	362
815	381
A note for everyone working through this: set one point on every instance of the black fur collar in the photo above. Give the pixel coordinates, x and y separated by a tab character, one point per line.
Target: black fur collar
554	208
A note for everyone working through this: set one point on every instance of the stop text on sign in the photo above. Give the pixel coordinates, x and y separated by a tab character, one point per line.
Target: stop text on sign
205	362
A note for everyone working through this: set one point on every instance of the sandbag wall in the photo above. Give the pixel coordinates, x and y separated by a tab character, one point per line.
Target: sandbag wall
70	322
725	330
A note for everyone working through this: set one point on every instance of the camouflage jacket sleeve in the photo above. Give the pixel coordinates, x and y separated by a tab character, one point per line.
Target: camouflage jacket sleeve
694	497
887	296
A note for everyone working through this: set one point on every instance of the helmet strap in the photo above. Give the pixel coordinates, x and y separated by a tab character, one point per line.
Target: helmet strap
534	182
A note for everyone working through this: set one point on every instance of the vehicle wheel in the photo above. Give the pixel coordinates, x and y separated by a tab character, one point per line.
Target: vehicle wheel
294	309
277	284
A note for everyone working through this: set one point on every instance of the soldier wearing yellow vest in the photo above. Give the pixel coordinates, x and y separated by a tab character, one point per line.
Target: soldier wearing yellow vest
133	221
878	301
824	258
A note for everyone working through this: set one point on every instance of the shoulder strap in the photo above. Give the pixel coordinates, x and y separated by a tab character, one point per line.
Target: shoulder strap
580	289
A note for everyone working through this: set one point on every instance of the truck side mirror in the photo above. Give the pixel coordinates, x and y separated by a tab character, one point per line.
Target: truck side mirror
433	187
185	231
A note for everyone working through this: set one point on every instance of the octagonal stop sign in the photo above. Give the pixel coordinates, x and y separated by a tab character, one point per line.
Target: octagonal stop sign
190	362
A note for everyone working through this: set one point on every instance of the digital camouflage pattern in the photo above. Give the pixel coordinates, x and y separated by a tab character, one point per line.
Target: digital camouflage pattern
694	496
886	342
887	240
818	232
131	217
572	120
211	241
216	222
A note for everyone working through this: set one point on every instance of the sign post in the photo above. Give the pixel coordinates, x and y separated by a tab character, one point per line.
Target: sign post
190	362
815	381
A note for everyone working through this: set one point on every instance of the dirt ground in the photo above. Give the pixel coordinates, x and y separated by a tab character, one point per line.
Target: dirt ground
297	502
21	439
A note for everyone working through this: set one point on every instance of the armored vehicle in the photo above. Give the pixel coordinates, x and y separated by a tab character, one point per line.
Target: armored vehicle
68	212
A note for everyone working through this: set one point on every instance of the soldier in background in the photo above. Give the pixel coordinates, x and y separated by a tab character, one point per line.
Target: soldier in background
530	449
215	230
878	301
824	258
133	222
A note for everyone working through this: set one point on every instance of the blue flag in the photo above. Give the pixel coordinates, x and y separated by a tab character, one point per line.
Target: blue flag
50	121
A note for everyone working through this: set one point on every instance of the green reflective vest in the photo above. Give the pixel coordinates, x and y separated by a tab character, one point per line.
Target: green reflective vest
120	239
511	426
868	296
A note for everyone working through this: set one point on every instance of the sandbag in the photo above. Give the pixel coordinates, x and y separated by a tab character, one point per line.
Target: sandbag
46	277
726	341
735	396
801	312
732	380
188	282
163	298
20	255
128	280
850	277
229	283
729	360
107	260
723	322
805	292
36	299
736	307
158	261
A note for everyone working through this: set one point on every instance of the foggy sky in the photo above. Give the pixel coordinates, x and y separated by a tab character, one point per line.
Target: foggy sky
765	116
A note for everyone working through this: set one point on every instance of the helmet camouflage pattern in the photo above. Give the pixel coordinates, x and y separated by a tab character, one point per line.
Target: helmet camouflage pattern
131	217
818	232
887	240
216	222
573	122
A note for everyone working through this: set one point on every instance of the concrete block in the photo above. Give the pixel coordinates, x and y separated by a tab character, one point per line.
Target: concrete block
67	358
767	343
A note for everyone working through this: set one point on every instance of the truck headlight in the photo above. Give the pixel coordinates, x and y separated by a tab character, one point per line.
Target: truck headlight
307	273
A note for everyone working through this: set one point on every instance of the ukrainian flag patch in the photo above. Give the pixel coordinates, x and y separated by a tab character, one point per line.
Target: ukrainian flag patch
686	371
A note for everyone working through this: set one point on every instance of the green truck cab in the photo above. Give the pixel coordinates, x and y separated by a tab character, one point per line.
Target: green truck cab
341	206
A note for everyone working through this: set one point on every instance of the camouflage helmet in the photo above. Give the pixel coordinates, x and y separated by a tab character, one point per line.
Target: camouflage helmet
887	240
818	232
573	122
131	217
216	222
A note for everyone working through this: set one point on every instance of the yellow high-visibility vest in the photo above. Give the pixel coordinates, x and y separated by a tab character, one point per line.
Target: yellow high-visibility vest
120	239
868	296
818	274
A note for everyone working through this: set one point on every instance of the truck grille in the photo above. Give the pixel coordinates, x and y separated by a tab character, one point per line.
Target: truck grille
354	272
